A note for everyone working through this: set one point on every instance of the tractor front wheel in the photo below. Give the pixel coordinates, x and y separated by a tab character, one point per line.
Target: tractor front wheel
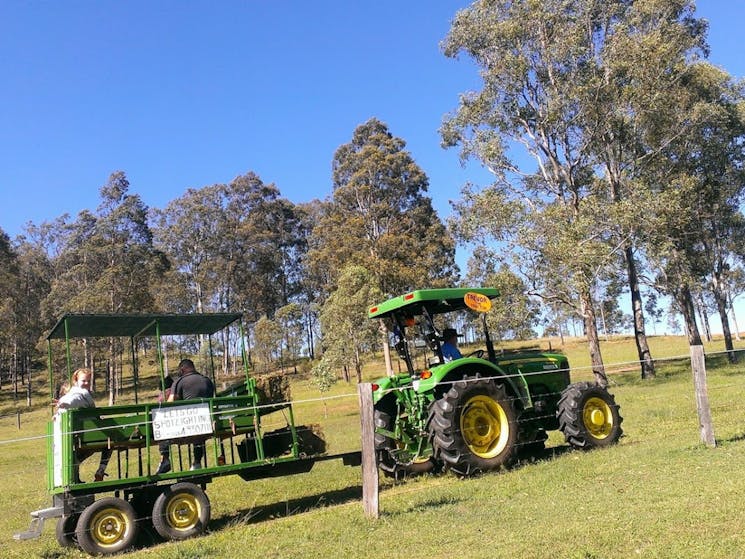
474	427
393	457
588	416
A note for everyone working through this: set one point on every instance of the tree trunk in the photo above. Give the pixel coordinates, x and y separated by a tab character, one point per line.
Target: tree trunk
591	331
685	302
700	306
386	350
111	372
720	298
734	317
358	364
722	309
637	309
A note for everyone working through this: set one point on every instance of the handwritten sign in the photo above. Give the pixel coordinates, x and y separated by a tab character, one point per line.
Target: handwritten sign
181	421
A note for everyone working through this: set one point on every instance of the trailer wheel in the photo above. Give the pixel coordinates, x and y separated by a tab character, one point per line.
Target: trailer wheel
65	530
107	526
588	416
393	457
474	427
181	511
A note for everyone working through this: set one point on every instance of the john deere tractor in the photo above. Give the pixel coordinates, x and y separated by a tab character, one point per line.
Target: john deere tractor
476	412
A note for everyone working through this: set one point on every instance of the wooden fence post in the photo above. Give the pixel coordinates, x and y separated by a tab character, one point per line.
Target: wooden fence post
698	364
370	474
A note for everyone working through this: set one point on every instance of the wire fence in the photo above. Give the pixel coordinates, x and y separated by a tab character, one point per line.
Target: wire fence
611	370
725	394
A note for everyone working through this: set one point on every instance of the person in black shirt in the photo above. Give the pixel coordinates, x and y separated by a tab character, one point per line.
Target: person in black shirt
189	385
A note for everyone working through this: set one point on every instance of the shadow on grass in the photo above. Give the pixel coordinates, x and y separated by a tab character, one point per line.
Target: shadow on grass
740	437
550	453
288	508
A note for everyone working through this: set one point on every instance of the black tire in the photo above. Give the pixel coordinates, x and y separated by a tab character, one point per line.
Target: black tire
474	427
588	416
107	526
394	461
65	530
182	511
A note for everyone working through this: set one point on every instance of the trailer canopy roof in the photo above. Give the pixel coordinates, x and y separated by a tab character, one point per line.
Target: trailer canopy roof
139	325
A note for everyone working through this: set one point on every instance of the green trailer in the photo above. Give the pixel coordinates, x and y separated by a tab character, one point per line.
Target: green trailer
104	517
480	411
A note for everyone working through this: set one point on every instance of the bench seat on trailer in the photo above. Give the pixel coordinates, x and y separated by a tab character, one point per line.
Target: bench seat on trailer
126	427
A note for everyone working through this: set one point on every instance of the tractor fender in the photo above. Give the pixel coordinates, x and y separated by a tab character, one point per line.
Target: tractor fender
455	370
386	386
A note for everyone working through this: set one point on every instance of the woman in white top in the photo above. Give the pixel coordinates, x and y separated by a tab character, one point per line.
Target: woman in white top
79	396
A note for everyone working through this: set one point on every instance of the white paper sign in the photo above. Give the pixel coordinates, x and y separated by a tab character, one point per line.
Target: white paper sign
181	421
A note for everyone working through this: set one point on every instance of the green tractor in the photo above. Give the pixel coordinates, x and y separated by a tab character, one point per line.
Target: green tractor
477	412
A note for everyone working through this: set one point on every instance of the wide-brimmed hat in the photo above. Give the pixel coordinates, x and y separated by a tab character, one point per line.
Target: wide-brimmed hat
448	333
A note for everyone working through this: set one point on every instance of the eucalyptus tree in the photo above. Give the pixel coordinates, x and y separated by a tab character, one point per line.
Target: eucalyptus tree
262	244
290	318
380	218
189	231
716	156
645	50
315	280
532	58
554	91
35	275
513	315
9	323
110	261
348	336
267	342
700	181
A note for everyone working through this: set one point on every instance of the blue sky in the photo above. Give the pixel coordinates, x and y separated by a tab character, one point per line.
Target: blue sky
187	94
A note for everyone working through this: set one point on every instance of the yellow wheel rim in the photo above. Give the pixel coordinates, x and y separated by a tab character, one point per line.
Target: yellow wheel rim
485	426
109	526
597	417
183	511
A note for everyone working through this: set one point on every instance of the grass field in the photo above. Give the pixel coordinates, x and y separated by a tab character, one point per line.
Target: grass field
659	493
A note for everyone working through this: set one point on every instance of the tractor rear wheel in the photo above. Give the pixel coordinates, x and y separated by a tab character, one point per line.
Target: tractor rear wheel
474	427
588	416
393	458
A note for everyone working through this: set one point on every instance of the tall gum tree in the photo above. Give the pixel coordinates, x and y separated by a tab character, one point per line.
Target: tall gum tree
380	218
557	83
110	261
188	230
694	236
531	57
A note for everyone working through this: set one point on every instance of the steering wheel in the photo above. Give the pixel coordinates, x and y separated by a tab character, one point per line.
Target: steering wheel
478	353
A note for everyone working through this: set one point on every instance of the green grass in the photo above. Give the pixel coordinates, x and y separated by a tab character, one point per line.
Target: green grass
659	493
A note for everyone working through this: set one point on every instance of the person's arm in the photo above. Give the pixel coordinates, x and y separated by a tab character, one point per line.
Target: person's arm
172	395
